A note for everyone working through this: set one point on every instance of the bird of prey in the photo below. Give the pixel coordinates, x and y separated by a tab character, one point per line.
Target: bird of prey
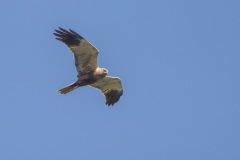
85	56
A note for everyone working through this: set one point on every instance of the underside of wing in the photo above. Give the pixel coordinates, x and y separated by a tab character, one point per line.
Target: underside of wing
85	54
111	87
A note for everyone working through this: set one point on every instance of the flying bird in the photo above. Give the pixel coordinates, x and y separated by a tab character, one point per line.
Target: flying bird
89	74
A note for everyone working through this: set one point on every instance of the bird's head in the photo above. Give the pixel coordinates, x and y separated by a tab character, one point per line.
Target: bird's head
104	71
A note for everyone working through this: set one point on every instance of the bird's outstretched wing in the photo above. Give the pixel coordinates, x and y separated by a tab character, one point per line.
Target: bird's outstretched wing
85	54
111	87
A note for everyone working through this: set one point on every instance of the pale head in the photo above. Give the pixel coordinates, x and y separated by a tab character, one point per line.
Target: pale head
101	72
104	71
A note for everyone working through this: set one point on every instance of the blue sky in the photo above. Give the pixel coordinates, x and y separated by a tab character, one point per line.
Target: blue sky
179	65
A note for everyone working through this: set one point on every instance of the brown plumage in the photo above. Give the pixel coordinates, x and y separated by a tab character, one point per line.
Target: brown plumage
85	56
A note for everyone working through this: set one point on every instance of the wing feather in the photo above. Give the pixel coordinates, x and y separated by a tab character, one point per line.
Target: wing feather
111	87
85	54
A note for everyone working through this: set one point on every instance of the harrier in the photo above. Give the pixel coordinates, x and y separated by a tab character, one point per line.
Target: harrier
85	56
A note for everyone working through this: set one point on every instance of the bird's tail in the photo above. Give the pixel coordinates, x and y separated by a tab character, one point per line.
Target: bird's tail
68	88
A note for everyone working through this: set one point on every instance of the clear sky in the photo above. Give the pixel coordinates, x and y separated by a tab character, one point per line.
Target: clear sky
179	62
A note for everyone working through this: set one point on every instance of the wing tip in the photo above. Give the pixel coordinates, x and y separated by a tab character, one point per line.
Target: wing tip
68	37
113	97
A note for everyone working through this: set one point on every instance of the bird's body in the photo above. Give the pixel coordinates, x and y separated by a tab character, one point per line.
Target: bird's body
85	79
85	56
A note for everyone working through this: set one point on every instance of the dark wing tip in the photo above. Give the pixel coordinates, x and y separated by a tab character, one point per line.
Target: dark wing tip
68	37
113	97
75	33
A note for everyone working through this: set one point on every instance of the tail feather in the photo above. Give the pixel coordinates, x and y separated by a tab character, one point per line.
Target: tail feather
68	88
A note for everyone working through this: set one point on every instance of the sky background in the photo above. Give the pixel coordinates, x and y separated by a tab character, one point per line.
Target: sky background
179	62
